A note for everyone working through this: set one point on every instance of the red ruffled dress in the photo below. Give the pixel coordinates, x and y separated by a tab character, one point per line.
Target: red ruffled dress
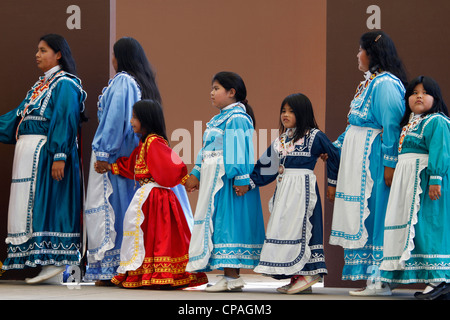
156	238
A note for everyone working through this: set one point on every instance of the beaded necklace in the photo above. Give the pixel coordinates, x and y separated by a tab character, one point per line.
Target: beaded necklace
38	91
414	121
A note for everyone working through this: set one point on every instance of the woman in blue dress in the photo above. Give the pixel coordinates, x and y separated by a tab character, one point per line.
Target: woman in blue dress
108	196
368	158
45	200
228	229
416	241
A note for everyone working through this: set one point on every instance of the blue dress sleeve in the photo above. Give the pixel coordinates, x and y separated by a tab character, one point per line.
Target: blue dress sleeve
114	118
266	168
388	109
67	100
238	149
323	145
340	140
437	140
196	170
8	126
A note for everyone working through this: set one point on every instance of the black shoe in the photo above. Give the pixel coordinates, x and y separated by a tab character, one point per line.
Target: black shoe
438	291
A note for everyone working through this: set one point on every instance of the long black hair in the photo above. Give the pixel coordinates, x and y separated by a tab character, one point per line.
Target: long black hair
151	116
231	80
383	54
432	88
304	114
131	58
58	44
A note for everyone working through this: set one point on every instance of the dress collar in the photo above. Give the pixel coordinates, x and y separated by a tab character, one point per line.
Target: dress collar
50	72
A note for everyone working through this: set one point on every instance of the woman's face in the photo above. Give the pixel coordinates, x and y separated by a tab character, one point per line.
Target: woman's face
363	60
46	58
420	102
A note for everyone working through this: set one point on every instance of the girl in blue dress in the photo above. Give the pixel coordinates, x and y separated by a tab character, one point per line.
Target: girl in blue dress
294	239
416	241
45	199
368	158
228	229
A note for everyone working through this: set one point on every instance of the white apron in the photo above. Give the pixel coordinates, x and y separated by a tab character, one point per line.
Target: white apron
201	245
402	209
289	230
353	189
98	214
23	185
132	251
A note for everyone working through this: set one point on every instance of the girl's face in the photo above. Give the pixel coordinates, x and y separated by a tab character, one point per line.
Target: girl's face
288	117
46	58
420	102
220	97
136	125
363	60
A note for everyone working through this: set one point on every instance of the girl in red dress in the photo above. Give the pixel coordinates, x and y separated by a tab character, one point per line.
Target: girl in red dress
155	245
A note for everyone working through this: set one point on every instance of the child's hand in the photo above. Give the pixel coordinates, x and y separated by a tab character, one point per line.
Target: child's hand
192	184
331	192
241	190
388	175
324	157
435	192
102	167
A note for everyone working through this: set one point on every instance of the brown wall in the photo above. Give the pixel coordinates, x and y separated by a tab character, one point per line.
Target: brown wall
22	24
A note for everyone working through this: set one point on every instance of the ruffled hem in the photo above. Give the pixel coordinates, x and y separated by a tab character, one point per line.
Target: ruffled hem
50	250
34	260
160	272
415	276
160	280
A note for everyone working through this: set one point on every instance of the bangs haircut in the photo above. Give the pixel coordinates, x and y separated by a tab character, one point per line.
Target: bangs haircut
304	114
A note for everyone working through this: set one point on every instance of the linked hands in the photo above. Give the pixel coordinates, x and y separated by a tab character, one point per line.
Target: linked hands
192	184
102	167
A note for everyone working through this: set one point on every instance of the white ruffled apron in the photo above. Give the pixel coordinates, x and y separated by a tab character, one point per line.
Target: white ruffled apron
201	245
353	189
289	230
132	251
99	214
23	185
402	209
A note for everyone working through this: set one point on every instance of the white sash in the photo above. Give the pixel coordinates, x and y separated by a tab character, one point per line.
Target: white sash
286	248
201	245
23	185
99	214
354	187
402	209
132	251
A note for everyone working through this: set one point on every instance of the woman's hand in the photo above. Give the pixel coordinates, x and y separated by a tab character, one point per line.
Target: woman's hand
388	175
435	192
58	170
192	184
102	167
